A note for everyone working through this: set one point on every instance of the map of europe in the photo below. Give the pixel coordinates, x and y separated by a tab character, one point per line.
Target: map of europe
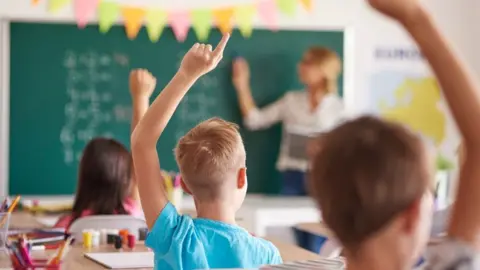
411	100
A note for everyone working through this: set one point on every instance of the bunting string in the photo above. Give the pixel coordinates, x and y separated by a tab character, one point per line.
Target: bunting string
201	20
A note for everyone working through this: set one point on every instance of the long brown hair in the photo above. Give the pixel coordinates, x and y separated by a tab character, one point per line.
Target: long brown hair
104	177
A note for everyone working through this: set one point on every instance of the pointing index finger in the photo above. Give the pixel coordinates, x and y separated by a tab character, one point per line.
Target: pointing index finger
218	52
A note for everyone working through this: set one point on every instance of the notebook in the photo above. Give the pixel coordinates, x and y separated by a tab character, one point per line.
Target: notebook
123	260
48	221
322	264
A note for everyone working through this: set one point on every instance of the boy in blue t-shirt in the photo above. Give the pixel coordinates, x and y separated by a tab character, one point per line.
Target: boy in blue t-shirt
212	160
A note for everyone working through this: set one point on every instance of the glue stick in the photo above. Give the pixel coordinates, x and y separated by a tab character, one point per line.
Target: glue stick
87	238
95	238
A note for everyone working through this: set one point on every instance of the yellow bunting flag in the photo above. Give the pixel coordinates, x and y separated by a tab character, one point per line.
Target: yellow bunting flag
56	5
244	16
107	15
201	23
156	19
133	17
287	7
307	4
223	19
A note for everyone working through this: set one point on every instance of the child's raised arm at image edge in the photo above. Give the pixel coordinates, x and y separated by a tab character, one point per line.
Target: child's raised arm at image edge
462	95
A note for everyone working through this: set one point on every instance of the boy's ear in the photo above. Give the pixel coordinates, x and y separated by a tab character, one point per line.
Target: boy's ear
411	216
242	178
184	186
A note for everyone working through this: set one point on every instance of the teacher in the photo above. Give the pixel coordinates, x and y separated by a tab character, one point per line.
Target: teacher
303	114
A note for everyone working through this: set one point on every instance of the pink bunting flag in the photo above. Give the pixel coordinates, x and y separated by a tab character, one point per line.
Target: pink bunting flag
180	22
267	11
84	11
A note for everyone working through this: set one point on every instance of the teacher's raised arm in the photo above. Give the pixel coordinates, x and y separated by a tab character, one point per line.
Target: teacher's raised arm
253	118
315	109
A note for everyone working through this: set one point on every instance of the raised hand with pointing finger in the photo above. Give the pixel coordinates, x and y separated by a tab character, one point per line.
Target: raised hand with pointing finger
201	59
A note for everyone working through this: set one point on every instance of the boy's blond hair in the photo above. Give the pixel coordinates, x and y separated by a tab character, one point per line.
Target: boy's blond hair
208	156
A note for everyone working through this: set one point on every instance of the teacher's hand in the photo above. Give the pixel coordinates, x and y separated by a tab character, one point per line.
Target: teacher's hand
241	74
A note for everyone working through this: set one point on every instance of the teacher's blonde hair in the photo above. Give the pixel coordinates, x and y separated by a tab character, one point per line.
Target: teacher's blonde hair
331	65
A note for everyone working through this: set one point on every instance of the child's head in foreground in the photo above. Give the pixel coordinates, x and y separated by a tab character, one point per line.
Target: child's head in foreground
104	178
212	160
372	181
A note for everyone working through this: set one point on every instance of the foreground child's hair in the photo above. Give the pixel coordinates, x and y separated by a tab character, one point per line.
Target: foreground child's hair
104	179
208	154
367	172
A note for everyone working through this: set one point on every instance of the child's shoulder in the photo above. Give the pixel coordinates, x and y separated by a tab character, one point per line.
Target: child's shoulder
63	221
452	254
267	250
133	208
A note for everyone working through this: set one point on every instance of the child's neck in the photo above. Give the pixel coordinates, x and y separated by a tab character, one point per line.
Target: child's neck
376	259
216	211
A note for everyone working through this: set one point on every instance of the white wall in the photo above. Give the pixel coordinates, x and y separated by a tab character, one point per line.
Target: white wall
369	31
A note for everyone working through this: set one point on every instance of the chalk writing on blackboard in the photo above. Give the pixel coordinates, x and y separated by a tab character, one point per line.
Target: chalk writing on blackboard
90	106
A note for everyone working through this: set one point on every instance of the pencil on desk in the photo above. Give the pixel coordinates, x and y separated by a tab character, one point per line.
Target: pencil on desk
14	204
10	210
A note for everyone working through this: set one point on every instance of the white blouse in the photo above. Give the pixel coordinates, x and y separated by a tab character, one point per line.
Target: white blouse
293	110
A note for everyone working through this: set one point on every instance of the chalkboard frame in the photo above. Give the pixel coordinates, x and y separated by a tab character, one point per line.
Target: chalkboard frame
348	77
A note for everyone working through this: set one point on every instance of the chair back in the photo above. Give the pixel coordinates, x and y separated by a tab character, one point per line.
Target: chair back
98	222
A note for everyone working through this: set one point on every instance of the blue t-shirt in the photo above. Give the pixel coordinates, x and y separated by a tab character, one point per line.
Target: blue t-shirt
180	242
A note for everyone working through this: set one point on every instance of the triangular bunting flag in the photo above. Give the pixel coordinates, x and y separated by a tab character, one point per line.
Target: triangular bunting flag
201	23
244	16
84	10
35	2
180	23
56	5
267	11
156	21
133	17
223	19
307	4
107	15
287	7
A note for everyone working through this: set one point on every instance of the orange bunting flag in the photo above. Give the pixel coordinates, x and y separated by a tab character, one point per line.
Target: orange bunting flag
180	23
307	4
244	16
133	17
35	2
156	21
223	19
201	23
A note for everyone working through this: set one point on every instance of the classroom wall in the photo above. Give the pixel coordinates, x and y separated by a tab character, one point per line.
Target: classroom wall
366	32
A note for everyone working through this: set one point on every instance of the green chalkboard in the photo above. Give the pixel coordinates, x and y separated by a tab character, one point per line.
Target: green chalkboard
68	85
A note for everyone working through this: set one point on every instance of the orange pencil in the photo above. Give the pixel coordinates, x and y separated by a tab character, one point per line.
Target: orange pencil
14	204
10	210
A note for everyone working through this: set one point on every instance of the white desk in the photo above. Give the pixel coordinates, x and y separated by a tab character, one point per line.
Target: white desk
258	212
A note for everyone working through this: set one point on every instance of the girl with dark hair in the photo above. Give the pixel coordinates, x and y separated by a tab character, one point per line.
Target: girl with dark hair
106	182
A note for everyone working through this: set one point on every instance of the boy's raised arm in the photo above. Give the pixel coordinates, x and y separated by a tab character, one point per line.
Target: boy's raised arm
462	95
199	60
